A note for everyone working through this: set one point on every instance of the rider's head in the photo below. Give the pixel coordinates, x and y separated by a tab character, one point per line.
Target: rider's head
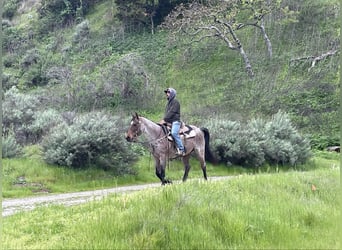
171	93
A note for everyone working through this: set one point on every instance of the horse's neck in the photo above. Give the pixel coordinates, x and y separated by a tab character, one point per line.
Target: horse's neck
151	129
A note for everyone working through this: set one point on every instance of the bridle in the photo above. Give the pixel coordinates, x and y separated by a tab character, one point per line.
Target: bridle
138	132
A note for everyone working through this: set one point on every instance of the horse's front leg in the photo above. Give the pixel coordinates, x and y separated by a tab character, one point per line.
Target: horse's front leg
160	171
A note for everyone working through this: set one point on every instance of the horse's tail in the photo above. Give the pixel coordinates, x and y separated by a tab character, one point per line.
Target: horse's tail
209	156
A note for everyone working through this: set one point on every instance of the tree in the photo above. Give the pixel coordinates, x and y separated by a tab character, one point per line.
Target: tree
222	20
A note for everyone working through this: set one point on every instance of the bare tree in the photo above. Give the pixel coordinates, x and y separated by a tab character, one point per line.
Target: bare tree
221	20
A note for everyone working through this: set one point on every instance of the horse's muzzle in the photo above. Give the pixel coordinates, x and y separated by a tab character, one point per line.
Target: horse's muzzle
128	138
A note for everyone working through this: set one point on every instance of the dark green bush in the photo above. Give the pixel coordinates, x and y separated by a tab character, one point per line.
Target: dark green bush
9	8
259	142
321	142
59	13
94	139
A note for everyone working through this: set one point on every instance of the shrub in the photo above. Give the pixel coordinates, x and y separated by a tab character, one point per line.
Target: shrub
31	57
94	139
275	142
23	116
42	122
283	143
82	32
9	8
10	148
18	111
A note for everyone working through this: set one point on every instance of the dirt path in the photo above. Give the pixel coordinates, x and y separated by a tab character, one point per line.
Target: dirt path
12	206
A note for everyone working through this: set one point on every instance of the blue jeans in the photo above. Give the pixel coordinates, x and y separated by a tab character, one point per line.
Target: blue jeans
175	134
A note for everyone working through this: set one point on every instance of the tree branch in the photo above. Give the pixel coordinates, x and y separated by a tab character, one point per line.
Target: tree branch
315	59
322	57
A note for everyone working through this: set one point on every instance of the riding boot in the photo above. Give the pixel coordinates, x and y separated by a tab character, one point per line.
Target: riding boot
181	153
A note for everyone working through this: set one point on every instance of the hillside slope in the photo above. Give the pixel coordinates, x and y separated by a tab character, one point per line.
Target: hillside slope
95	62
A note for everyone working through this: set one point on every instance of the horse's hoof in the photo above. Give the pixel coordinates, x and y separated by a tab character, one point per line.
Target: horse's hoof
166	182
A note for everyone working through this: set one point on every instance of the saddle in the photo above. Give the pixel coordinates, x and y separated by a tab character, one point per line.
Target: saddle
185	131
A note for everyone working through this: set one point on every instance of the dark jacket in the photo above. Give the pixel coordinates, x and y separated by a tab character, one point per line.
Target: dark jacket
172	111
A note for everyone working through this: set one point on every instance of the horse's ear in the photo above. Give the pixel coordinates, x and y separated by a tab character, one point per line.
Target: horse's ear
136	115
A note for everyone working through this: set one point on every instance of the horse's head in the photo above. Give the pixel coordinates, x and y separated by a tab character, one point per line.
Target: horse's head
135	129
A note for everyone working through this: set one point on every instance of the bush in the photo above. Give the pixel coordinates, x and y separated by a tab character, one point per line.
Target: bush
23	116
283	143
18	112
94	139
9	8
275	142
43	122
10	148
82	32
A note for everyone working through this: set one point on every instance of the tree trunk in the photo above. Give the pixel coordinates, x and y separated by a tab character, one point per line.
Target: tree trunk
248	65
267	40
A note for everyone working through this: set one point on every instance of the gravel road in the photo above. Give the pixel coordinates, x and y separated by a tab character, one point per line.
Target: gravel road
12	206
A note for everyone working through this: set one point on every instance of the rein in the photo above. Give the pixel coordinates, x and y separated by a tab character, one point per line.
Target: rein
151	141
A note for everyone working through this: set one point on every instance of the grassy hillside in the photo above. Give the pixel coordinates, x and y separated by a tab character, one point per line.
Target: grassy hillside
106	62
96	62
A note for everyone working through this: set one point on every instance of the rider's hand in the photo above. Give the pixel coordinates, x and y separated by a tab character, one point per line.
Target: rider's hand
162	122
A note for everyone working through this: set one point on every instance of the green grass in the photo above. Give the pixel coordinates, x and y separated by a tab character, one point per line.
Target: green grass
31	176
263	211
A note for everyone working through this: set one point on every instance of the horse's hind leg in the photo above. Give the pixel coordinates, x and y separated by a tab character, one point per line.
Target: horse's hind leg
186	166
201	159
204	170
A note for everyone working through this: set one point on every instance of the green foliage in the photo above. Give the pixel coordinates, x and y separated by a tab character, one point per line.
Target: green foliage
322	141
24	115
93	139
139	15
18	111
259	142
43	122
82	32
13	39
10	148
59	13
283	144
9	8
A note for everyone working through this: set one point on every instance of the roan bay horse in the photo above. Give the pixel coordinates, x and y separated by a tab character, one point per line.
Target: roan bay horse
163	149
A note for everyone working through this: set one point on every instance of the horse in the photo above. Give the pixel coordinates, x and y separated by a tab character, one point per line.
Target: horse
163	148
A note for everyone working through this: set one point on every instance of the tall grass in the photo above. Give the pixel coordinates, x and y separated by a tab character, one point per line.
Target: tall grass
264	211
31	175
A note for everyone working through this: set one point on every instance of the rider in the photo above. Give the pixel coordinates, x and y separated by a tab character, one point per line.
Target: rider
172	115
